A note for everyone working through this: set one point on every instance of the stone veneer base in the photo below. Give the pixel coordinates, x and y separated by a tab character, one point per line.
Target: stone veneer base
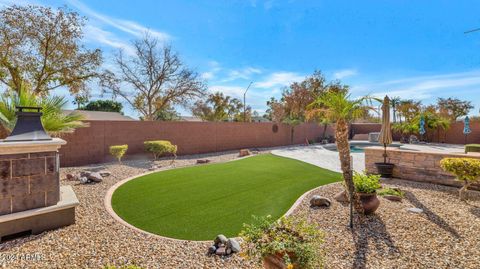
37	220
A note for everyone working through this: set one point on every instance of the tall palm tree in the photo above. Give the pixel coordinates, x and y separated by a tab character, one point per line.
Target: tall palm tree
394	102
53	120
338	107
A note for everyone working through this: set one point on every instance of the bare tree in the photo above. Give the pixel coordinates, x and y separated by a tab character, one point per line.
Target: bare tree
154	78
40	50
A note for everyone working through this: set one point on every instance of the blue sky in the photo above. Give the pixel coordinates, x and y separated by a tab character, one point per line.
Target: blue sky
411	49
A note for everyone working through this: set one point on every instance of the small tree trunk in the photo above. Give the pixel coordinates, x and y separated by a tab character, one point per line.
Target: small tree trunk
463	190
341	136
325	126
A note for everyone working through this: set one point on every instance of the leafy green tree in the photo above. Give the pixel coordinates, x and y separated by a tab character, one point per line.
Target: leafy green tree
168	114
41	50
103	105
220	107
453	108
54	121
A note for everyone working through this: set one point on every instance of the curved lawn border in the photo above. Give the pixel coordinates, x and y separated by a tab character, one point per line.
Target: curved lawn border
109	208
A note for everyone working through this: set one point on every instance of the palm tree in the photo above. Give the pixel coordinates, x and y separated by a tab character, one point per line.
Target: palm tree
338	107
394	102
53	120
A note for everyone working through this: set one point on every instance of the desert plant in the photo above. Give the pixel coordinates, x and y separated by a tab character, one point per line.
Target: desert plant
292	239
160	147
54	121
366	183
337	106
118	151
390	191
466	170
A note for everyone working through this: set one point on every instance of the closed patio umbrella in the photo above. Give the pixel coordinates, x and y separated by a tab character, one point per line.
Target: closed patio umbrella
422	130
466	127
385	137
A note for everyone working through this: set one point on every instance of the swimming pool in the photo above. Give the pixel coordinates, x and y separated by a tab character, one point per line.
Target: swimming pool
358	147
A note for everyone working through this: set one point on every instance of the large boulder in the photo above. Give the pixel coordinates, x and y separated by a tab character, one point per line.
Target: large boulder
318	200
233	244
95	177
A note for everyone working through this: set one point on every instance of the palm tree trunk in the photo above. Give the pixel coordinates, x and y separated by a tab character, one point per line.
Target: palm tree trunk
343	146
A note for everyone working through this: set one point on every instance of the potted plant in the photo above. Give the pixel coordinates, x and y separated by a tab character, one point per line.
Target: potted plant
284	243
366	187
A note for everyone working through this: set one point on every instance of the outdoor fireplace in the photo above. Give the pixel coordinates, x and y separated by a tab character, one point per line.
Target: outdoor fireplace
31	199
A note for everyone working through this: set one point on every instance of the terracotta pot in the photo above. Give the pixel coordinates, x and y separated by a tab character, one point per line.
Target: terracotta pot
275	261
369	202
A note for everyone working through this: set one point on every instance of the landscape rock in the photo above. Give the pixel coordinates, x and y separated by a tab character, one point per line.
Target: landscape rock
200	161
83	180
85	174
244	152
233	244
95	177
220	239
393	198
105	173
212	249
221	251
318	200
71	176
228	251
415	210
341	197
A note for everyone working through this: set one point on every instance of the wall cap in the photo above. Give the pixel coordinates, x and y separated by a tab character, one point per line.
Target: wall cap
31	146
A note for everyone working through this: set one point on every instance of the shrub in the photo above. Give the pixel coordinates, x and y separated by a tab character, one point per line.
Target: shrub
160	147
297	241
472	148
118	151
366	183
466	170
390	191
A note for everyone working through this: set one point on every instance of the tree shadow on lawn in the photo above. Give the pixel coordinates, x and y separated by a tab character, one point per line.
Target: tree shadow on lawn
431	216
373	229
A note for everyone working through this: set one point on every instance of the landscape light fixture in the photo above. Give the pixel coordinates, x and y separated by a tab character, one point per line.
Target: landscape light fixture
29	126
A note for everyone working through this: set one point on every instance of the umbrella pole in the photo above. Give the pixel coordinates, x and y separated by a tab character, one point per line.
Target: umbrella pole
384	153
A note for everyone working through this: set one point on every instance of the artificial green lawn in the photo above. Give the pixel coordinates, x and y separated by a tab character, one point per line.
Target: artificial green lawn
199	202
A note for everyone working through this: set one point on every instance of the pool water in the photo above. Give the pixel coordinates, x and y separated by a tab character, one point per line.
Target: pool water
361	148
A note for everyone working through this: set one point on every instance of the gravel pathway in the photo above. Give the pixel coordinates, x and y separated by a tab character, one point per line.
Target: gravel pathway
444	236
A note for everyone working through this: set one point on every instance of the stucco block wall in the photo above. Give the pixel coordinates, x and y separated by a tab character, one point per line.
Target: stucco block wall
90	145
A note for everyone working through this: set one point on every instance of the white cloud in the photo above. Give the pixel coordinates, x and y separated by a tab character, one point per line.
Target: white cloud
243	73
344	73
425	87
96	34
126	26
279	79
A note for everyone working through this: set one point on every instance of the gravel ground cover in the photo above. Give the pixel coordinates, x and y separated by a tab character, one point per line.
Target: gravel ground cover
445	235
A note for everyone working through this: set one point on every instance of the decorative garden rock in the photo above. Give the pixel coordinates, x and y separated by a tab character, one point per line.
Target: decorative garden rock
233	244
71	176
244	152
341	197
220	239
95	177
212	249
415	210
318	200
221	251
105	173
83	180
393	198
200	161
